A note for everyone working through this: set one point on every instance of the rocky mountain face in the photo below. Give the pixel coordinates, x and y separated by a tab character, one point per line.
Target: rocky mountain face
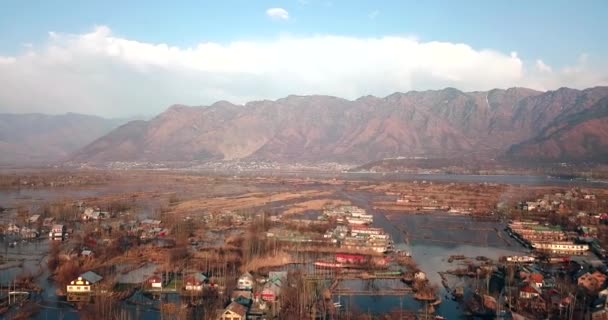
27	139
577	137
516	123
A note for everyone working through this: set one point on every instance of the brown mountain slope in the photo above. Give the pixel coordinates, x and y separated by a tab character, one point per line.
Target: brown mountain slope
579	137
37	138
444	123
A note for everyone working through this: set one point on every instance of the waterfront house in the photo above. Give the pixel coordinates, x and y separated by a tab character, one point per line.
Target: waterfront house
155	282
80	289
233	311
195	282
529	292
57	231
79	285
245	281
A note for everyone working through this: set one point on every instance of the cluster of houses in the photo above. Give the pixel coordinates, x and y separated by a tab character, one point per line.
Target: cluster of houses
22	232
253	299
227	217
557	202
31	229
349	215
536	291
546	238
348	236
360	238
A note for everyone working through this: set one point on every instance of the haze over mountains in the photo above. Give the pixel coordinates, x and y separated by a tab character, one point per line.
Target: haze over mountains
514	124
27	139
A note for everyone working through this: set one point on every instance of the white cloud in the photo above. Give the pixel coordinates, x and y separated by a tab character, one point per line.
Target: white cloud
542	67
100	73
277	14
374	14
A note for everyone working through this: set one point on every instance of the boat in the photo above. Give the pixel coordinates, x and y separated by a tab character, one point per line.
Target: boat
521	259
324	264
440	318
456	257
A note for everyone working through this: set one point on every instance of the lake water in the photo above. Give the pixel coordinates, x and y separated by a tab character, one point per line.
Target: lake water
430	244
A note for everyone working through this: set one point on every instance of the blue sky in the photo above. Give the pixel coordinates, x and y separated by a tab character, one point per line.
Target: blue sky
556	42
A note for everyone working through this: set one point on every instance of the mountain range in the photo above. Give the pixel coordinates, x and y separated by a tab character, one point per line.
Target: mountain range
515	124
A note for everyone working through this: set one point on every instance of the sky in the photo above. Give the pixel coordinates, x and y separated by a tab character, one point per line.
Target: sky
125	58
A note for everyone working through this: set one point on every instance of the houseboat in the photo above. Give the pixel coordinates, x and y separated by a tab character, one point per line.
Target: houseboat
521	259
561	247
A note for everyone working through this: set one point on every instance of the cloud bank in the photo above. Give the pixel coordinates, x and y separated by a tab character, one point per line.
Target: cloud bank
99	73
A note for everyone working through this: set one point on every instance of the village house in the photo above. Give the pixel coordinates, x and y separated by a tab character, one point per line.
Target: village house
81	289
233	311
78	290
592	282
243	297
529	292
272	288
86	253
195	282
27	233
13	228
155	282
91	214
245	282
57	230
